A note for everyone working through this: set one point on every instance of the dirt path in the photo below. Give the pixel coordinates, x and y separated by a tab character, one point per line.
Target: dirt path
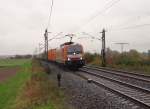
6	73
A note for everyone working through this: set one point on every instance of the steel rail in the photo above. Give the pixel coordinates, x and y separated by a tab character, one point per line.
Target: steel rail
125	95
139	77
119	70
117	81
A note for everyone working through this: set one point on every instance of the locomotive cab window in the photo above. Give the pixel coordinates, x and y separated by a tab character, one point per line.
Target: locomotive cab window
74	49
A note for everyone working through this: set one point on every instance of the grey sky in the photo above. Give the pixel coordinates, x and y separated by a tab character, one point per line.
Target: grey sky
22	23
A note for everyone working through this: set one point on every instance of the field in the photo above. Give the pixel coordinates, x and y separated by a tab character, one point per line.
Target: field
12	62
29	88
10	87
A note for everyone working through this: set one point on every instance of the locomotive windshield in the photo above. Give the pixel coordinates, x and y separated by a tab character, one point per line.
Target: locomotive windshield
74	49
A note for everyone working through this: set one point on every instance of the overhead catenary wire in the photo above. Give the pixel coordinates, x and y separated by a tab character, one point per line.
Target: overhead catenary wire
55	37
46	31
129	27
90	36
106	7
50	15
128	21
136	26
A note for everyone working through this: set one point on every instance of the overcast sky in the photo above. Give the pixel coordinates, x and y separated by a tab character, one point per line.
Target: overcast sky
22	23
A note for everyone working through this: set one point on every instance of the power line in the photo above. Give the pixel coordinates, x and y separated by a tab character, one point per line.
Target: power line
90	36
112	4
106	7
131	20
46	31
136	26
50	16
128	21
55	37
130	27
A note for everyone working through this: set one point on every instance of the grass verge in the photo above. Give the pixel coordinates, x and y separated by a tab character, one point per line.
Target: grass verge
40	92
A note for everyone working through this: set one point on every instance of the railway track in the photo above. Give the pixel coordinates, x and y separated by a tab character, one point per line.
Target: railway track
132	78
139	95
125	73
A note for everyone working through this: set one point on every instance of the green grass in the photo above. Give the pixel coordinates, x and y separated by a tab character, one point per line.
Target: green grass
42	91
12	62
30	84
10	88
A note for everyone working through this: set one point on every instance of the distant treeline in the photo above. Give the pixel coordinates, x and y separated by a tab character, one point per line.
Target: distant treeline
131	59
21	56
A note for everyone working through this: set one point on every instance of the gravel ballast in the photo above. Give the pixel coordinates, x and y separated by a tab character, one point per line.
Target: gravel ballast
84	95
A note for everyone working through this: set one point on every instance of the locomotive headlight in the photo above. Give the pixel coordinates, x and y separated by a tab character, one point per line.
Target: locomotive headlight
81	58
69	59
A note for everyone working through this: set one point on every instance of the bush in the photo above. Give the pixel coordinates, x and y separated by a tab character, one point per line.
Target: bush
88	57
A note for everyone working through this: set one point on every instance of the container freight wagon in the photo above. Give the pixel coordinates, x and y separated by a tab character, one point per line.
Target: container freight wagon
52	55
69	54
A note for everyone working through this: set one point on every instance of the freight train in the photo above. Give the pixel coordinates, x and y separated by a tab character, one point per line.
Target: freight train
69	54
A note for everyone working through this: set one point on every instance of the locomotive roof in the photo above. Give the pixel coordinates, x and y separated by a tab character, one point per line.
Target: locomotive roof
67	43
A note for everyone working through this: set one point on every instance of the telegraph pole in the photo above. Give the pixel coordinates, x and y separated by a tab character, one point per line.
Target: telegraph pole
103	51
46	44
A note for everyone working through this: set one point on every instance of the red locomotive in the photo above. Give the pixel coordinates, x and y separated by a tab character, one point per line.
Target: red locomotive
69	54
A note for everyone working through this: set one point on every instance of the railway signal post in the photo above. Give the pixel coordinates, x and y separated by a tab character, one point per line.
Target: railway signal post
103	51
